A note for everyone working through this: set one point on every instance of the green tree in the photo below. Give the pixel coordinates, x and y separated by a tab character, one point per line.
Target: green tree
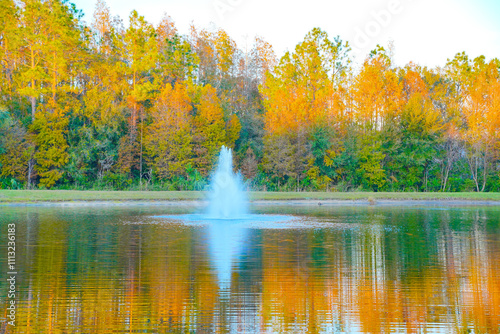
371	168
16	150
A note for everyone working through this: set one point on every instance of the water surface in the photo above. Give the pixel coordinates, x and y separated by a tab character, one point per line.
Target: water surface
328	270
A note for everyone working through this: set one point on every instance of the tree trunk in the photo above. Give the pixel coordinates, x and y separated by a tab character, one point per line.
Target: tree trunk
54	77
140	155
445	181
485	170
31	165
33	107
472	161
426	177
33	98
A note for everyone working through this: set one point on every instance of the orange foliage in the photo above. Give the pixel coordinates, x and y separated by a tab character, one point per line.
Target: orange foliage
172	109
304	91
168	138
376	94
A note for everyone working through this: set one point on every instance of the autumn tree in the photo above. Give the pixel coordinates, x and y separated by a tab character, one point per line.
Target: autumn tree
140	50
297	93
10	40
140	54
51	46
32	72
249	164
413	137
168	139
298	96
96	127
210	133
376	95
52	50
50	126
477	81
216	52
286	159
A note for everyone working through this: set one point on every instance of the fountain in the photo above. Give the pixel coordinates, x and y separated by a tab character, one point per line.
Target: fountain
228	219
227	197
227	200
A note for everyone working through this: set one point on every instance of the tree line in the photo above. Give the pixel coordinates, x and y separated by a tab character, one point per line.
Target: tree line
104	106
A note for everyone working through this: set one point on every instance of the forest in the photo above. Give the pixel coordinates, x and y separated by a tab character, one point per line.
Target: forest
106	106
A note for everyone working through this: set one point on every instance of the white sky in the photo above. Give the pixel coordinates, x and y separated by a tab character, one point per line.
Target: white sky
427	32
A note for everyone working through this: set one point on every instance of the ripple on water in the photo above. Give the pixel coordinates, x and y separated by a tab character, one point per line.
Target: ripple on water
256	221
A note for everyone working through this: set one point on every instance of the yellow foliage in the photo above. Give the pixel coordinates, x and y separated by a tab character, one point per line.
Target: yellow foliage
233	128
168	140
376	94
50	126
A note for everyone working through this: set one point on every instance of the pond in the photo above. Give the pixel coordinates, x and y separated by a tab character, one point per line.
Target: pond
327	269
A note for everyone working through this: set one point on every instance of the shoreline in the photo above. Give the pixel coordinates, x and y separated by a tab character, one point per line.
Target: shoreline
85	198
304	202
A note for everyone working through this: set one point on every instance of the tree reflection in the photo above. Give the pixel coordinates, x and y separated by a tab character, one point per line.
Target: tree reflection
429	271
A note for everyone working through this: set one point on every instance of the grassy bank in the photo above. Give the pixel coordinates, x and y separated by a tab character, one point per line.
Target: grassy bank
18	196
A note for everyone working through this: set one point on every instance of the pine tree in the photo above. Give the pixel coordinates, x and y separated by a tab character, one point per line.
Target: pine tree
51	155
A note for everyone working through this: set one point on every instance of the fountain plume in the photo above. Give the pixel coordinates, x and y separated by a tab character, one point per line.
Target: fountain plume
227	196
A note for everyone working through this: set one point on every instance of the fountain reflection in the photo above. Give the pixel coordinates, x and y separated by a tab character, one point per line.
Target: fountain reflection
226	243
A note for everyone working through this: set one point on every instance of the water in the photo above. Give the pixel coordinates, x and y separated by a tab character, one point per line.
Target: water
330	270
227	197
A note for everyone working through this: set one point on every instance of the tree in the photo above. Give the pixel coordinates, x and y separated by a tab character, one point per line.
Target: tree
51	47
177	61
451	148
10	39
233	128
102	27
17	150
249	164
376	93
210	132
51	155
140	51
415	133
477	82
168	139
140	54
370	168
324	149
33	26
298	94
278	158
286	158
216	52
420	130
376	105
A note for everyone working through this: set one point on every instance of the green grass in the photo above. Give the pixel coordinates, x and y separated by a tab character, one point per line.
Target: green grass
29	196
372	195
77	195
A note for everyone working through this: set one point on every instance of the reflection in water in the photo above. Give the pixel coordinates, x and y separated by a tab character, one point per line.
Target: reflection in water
225	246
358	270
